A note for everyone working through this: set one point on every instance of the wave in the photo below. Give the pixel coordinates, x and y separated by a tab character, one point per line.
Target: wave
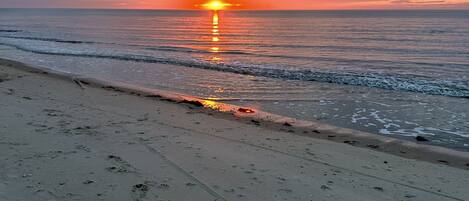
49	39
295	46
156	48
194	50
316	58
435	51
9	31
411	83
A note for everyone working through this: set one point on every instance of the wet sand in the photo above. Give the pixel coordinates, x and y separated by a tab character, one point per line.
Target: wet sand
66	140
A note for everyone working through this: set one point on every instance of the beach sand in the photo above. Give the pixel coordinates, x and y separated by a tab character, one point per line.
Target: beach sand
65	140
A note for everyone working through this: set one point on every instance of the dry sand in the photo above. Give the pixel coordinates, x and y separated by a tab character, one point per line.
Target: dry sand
62	141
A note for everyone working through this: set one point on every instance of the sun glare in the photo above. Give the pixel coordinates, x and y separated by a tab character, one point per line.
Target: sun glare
216	5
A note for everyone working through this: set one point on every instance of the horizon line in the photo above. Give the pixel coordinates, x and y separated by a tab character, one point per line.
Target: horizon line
175	9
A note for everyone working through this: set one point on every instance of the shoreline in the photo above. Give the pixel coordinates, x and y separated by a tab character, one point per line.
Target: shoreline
398	147
68	139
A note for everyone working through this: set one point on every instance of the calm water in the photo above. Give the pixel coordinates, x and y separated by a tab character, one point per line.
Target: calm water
396	73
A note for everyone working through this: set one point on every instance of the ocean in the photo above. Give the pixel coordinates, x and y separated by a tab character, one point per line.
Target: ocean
394	73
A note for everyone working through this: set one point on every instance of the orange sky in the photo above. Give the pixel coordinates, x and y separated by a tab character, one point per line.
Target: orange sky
245	4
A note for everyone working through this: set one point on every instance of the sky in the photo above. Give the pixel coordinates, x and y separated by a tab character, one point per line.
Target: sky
243	4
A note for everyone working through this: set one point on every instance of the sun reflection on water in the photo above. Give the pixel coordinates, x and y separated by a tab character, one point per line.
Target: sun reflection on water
215	48
215	18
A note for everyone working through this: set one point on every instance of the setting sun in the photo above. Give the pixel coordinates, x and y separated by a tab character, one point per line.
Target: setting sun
216	5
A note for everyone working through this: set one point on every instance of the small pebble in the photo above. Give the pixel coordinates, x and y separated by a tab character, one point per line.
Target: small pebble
88	182
324	187
378	188
421	139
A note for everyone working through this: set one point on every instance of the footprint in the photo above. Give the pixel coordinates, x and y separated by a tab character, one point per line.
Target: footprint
10	91
139	191
53	113
122	166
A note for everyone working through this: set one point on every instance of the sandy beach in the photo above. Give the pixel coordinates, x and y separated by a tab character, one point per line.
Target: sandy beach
66	140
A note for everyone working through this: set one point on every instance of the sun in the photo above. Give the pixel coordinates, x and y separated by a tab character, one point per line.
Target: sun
216	5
